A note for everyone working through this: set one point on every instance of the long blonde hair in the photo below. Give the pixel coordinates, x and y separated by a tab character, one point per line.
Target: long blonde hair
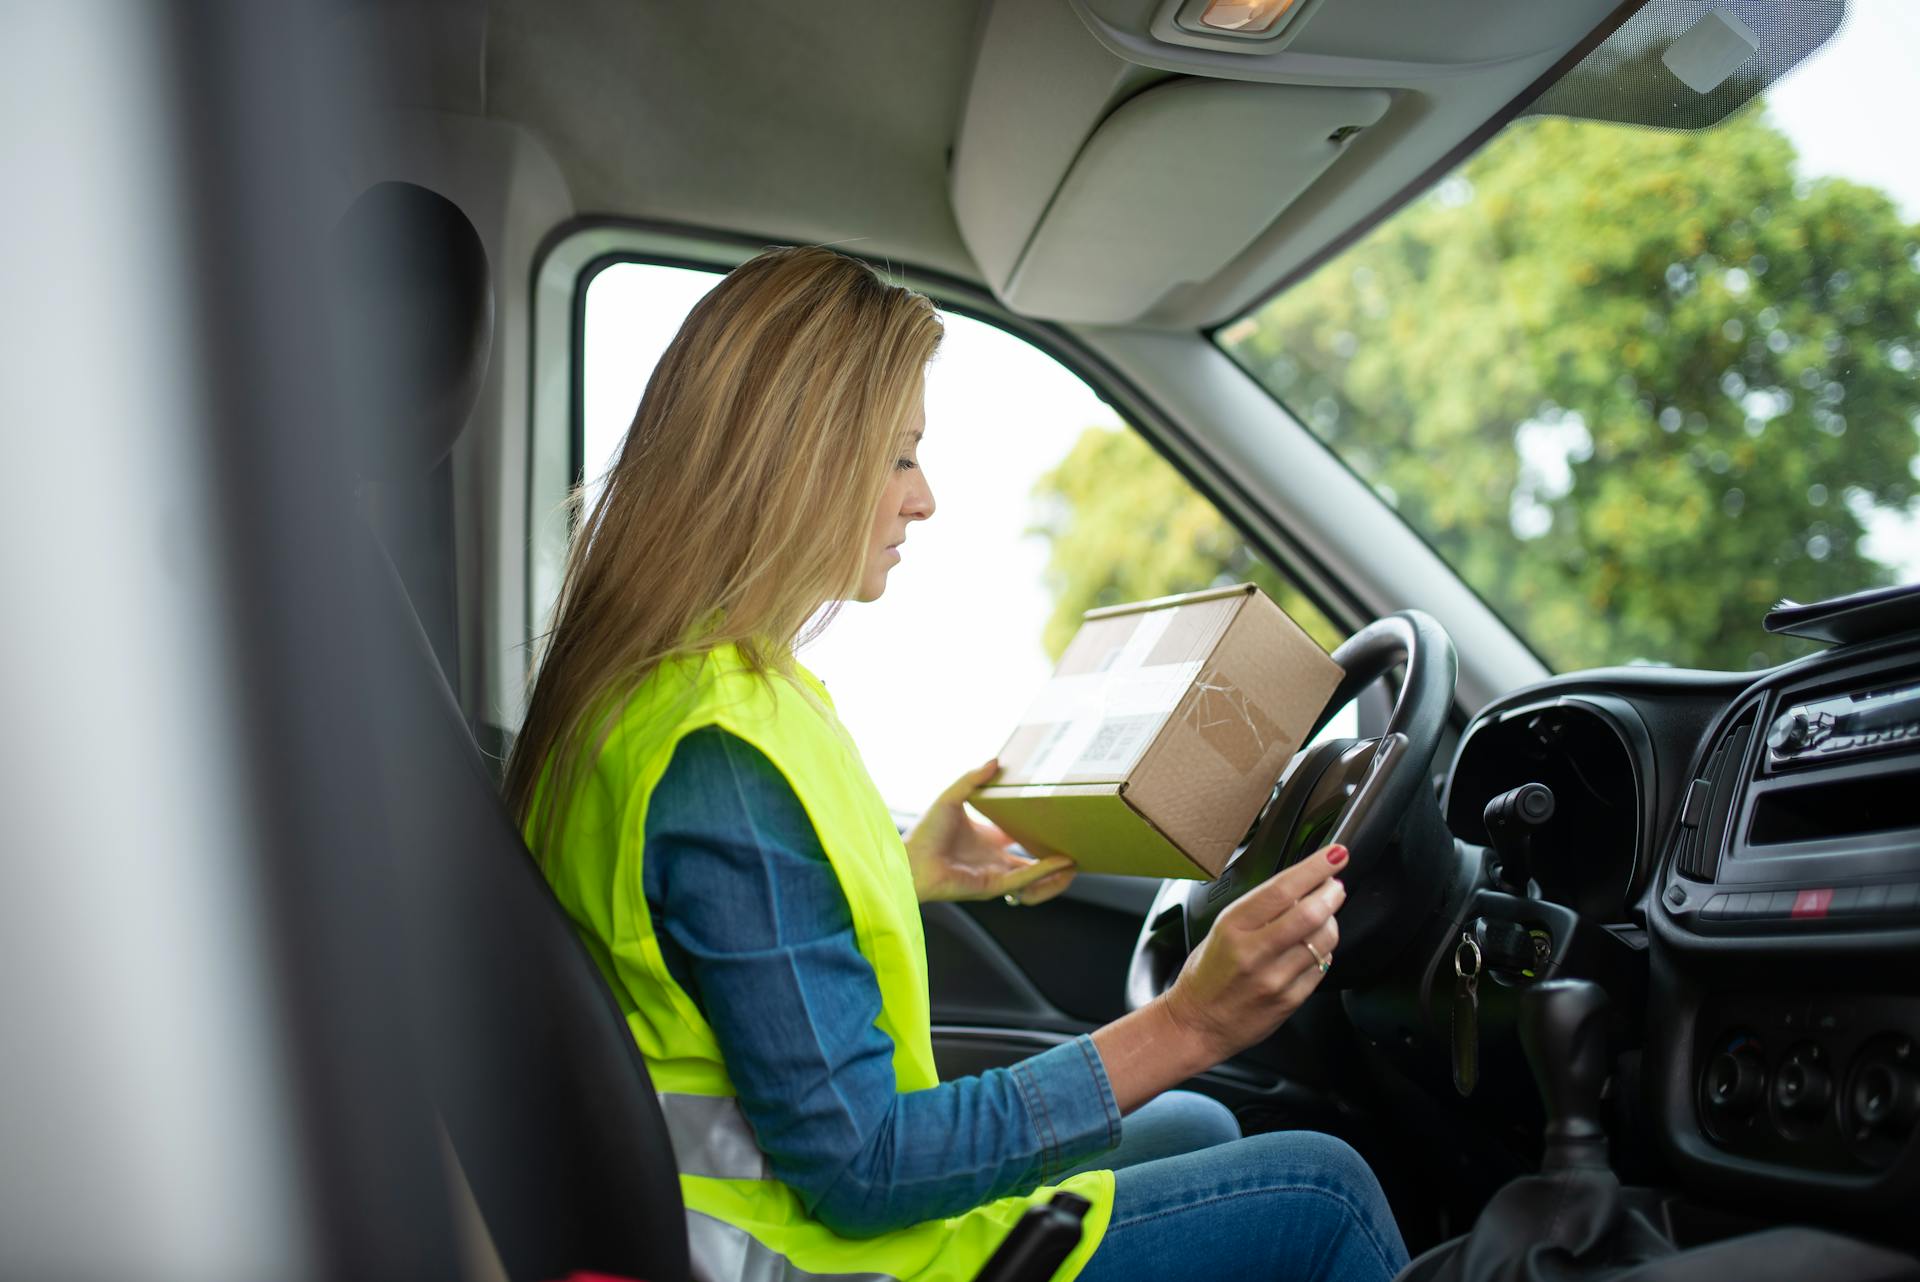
742	500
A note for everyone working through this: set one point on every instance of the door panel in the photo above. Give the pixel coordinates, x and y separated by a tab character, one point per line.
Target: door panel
1072	950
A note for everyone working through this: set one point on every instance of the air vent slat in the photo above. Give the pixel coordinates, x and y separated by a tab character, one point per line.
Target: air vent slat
1701	846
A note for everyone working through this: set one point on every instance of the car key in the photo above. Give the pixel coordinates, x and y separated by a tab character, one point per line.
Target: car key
1466	1013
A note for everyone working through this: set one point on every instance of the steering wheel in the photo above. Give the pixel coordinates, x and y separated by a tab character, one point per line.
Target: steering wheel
1358	792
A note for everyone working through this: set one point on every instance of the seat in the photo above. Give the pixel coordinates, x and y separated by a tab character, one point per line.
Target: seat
544	1097
546	1102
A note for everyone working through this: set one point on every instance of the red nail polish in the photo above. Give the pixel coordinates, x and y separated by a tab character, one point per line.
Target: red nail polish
1336	855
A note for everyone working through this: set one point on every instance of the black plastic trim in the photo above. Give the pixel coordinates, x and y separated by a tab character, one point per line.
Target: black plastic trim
1628	727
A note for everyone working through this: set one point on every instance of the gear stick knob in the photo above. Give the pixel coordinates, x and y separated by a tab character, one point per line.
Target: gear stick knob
1563	1030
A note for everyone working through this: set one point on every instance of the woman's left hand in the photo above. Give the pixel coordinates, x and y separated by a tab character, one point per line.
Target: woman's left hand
955	856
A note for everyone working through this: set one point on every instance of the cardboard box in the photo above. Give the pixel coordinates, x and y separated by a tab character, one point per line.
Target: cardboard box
1162	733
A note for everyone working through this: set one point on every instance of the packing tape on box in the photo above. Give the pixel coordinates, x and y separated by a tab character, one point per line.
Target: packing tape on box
1133	652
1230	723
1115	693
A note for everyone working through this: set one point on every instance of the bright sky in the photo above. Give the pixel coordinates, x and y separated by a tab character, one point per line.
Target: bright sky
932	676
1849	110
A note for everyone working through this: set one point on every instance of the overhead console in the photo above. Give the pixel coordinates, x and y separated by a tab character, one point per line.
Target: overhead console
1120	161
1171	186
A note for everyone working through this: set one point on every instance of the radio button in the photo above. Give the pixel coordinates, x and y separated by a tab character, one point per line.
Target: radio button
1788	732
1845	902
1902	897
1873	900
1716	908
1781	904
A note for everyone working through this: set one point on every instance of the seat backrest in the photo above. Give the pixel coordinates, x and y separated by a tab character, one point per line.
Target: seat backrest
414	328
545	1099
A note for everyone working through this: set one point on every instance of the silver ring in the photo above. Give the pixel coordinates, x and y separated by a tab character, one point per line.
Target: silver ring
1326	963
1013	898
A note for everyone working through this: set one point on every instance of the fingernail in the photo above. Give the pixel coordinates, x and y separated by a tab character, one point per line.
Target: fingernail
1336	855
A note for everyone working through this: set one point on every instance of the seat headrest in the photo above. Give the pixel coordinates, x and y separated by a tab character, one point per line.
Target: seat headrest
413	326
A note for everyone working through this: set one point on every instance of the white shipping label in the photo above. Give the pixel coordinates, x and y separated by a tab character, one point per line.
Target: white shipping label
1120	692
1064	747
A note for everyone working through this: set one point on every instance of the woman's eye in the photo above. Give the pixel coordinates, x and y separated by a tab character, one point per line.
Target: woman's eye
905	464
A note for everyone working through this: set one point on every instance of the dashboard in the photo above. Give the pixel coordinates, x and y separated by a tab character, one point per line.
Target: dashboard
1752	842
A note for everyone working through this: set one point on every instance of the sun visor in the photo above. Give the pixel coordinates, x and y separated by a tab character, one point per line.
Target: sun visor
1172	185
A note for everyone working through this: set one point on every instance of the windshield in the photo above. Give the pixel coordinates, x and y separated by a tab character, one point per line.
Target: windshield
1637	384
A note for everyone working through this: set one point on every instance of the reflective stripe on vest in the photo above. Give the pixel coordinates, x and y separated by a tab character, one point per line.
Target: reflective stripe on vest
722	1253
711	1137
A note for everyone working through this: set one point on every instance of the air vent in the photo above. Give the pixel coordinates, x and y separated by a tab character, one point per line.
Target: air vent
1702	840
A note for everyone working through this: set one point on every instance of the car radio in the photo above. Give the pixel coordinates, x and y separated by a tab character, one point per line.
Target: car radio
1805	812
1844	725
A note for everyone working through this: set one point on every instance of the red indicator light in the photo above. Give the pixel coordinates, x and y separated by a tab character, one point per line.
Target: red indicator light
1812	903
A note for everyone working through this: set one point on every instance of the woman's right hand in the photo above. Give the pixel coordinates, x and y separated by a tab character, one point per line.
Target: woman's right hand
1254	968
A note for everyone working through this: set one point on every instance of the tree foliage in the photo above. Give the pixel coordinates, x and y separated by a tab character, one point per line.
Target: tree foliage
1124	526
1633	385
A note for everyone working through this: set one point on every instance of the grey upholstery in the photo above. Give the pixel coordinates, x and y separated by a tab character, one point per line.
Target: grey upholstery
543	1095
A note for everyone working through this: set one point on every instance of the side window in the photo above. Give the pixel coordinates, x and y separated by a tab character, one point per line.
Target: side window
1047	504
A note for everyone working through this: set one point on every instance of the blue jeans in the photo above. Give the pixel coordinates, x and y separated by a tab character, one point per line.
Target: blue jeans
1193	1200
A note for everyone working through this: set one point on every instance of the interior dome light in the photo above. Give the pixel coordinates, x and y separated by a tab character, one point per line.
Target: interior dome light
1244	17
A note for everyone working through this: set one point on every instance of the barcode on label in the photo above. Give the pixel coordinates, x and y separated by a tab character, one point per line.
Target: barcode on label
1115	743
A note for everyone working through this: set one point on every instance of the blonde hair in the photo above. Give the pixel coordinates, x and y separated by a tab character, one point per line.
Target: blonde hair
741	502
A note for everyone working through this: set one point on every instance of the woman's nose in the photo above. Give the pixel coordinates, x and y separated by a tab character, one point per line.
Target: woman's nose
919	504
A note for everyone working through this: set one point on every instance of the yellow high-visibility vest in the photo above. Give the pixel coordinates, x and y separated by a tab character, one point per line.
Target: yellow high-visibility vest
742	1223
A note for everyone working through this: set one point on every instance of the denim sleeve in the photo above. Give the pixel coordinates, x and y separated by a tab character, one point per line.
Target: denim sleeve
756	928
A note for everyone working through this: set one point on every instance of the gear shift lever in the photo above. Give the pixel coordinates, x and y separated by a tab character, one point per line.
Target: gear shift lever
1563	1030
1574	1222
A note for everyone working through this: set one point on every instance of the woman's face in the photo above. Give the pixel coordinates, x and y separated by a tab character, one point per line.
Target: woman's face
905	500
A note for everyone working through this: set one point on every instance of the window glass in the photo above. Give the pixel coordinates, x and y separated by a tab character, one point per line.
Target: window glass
1046	505
1639	384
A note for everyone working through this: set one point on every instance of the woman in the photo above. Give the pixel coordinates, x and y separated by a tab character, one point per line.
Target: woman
701	813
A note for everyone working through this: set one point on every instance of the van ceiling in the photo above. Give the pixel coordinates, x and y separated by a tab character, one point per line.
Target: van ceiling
864	124
826	122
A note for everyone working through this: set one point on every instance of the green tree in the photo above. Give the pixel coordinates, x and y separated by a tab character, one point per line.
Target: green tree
1124	526
1634	385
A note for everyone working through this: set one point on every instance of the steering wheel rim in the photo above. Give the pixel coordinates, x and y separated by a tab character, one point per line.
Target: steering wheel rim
1381	784
1412	639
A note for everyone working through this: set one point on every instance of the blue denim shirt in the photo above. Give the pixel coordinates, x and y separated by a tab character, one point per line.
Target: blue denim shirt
754	926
